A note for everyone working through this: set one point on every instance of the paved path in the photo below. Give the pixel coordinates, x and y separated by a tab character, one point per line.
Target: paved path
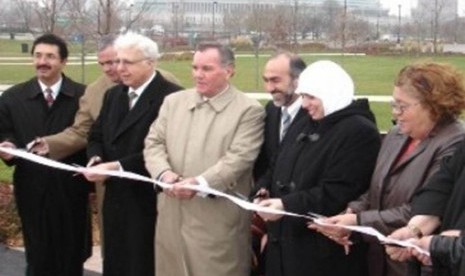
12	262
266	96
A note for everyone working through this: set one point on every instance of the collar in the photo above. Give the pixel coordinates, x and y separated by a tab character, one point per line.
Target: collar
141	88
218	102
294	108
55	87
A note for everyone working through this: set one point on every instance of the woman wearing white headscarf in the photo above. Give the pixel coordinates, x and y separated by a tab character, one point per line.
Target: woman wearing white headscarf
327	165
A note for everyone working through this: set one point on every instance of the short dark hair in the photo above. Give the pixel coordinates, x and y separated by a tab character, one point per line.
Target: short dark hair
296	64
52	39
226	54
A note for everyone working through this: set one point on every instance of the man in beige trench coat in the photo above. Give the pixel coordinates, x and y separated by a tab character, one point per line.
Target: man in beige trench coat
208	135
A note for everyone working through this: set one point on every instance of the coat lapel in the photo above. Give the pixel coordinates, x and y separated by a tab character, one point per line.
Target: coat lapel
143	105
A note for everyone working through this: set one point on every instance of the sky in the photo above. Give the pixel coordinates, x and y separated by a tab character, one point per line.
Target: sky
393	6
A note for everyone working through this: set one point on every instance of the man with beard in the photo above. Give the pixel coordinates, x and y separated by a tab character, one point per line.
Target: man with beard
280	80
52	204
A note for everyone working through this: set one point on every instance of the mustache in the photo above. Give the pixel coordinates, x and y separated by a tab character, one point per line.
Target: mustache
43	67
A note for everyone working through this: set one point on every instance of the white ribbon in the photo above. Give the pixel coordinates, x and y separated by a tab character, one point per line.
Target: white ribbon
207	190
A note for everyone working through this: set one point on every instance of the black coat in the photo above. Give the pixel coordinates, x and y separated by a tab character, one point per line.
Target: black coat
329	164
129	207
52	204
271	142
443	196
449	252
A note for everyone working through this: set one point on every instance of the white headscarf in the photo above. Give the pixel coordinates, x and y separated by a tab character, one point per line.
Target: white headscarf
328	82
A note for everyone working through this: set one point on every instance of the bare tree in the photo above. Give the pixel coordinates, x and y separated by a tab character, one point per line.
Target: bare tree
232	22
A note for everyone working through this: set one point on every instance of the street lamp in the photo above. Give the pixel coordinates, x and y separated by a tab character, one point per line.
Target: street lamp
213	18
175	8
398	30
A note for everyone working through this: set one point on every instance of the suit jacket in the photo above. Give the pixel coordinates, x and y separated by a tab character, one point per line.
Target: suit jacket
129	206
74	138
386	205
218	139
271	143
52	204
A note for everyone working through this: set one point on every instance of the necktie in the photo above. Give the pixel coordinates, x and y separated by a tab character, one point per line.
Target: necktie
49	97
285	122
132	97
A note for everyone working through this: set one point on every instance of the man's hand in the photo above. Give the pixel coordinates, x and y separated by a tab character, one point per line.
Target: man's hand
337	234
38	146
261	195
181	192
274	203
97	177
94	160
169	177
5	156
423	243
400	254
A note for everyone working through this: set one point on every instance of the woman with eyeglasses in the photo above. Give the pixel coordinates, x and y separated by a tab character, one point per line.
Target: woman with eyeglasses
427	101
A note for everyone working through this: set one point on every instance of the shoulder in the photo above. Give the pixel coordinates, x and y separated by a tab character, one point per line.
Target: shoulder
451	130
19	89
102	83
357	123
74	84
168	84
241	98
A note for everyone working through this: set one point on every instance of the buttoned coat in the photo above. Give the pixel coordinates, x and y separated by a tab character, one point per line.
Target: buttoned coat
272	141
218	139
129	206
328	165
52	204
386	205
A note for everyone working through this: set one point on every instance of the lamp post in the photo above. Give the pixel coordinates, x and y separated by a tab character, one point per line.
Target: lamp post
295	22
213	18
398	29
175	8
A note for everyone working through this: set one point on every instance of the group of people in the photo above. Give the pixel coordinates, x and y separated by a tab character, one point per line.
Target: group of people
313	148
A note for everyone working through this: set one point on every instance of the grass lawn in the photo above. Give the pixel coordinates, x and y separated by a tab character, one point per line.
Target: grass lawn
373	75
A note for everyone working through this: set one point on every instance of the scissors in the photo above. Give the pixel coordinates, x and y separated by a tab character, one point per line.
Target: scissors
314	216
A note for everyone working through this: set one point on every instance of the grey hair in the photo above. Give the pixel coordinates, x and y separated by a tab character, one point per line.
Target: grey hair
226	54
148	47
296	64
105	42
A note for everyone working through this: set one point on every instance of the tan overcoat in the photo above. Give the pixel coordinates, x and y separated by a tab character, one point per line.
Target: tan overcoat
218	139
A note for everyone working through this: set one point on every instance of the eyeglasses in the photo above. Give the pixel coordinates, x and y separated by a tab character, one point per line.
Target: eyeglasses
401	107
126	62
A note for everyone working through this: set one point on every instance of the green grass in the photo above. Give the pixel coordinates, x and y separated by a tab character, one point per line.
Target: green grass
373	75
6	173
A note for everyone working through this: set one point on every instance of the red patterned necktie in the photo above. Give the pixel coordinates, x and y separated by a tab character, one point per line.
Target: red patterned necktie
49	97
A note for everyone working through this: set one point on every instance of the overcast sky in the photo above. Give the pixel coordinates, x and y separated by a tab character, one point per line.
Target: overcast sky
393	6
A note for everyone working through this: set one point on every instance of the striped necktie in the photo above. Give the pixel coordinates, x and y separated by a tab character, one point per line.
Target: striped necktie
285	122
49	97
132	97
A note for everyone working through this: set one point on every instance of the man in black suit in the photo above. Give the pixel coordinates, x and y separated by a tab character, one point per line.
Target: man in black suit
280	78
116	141
52	204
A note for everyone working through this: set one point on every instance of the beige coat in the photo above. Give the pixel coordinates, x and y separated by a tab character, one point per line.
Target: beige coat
218	139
